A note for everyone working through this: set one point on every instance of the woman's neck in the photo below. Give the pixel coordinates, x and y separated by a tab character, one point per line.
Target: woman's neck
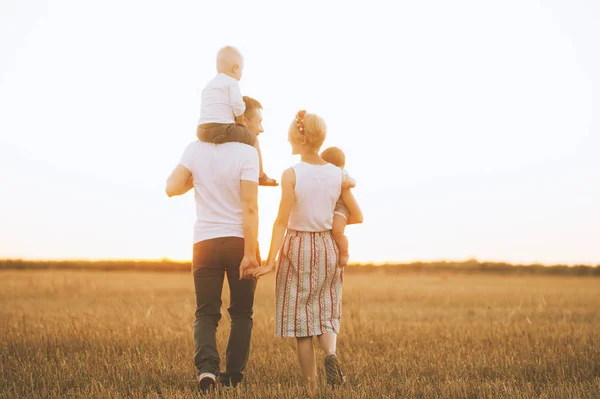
312	158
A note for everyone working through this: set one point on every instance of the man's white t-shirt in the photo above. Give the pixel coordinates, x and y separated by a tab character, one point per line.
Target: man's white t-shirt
217	170
221	101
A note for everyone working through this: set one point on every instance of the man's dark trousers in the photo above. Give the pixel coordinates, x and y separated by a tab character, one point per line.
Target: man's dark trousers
211	261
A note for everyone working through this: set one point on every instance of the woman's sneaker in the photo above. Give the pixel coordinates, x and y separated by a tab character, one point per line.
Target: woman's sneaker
334	371
207	382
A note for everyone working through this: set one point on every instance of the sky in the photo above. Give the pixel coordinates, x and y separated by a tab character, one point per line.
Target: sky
473	128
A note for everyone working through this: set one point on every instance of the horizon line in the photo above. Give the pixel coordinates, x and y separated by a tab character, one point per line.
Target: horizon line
370	263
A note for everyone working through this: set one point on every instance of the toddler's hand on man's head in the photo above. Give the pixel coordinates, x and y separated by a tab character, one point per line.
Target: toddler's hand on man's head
241	120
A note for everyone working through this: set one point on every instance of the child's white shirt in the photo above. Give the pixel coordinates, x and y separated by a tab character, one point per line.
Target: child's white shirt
221	100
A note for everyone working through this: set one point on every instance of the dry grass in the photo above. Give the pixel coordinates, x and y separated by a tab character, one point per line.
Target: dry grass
126	334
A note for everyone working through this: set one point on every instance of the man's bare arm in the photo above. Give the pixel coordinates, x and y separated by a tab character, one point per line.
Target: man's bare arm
249	191
180	181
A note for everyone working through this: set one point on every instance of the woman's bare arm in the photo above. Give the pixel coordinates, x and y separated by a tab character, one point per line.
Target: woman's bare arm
356	215
288	183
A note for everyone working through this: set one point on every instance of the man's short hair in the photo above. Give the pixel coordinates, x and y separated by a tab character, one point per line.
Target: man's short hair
251	104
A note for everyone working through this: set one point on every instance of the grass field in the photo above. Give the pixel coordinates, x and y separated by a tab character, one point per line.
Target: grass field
66	333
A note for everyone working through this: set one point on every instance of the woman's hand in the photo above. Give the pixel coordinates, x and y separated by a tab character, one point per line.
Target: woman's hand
261	271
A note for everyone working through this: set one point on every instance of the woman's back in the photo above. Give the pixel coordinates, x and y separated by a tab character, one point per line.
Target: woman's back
317	190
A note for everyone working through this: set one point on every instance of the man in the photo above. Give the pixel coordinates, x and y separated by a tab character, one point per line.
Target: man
225	181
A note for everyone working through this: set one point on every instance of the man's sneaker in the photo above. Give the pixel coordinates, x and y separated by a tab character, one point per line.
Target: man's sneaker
207	382
334	371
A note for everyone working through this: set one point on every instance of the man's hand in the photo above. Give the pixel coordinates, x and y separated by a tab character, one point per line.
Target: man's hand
248	264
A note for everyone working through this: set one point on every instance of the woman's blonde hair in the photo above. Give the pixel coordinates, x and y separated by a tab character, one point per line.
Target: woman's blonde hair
311	126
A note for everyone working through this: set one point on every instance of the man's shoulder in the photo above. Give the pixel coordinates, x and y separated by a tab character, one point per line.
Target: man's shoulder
228	151
240	149
194	145
198	146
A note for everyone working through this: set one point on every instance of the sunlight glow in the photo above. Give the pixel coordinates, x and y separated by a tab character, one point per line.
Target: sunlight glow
471	127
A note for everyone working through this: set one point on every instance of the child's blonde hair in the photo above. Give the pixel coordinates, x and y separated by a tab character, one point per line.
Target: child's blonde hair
310	126
334	156
227	57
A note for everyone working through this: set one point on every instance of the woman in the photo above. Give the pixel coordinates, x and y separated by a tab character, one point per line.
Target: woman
309	281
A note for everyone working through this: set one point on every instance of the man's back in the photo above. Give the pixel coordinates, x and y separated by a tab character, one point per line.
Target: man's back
217	170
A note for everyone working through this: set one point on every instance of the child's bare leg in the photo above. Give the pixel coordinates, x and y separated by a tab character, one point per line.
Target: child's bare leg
260	162
263	179
339	226
306	358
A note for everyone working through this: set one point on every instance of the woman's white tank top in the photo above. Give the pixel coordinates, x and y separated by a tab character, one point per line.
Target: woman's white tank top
318	187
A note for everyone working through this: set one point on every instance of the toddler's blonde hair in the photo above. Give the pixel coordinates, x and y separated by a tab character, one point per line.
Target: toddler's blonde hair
334	156
227	57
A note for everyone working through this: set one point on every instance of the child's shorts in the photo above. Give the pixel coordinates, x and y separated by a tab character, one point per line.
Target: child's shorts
341	209
219	133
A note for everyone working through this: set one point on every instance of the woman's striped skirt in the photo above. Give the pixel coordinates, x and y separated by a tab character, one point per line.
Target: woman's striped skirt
308	286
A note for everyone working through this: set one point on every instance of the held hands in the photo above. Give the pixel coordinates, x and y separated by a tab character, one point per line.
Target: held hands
247	267
261	271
